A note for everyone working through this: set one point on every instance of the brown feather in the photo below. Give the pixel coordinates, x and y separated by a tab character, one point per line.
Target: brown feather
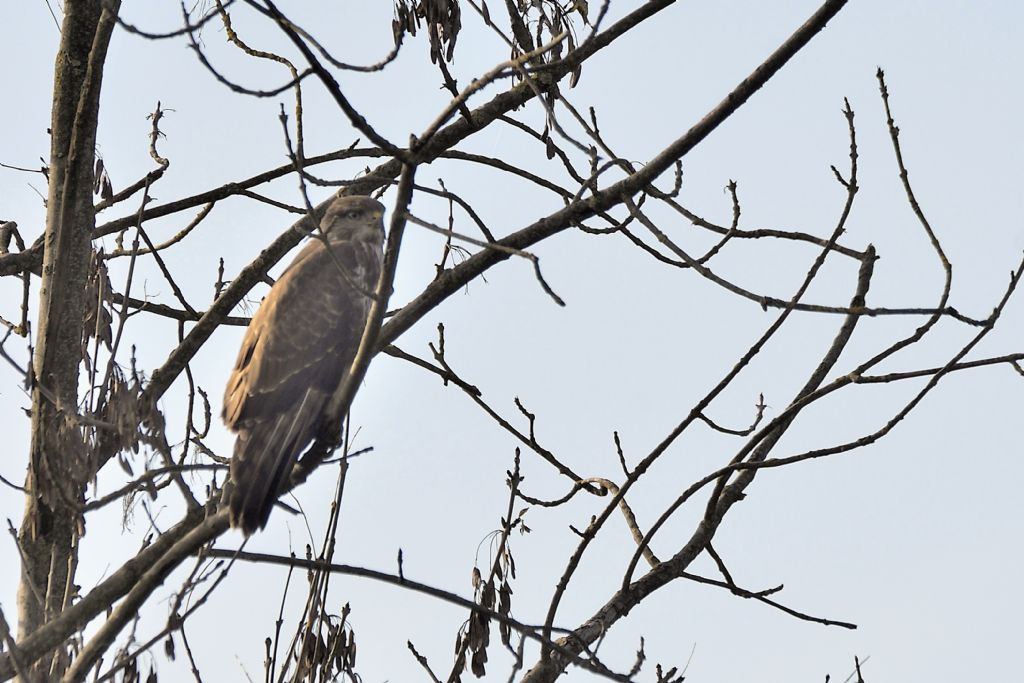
295	353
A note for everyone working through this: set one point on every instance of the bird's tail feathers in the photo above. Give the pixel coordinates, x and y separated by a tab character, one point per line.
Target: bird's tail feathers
264	455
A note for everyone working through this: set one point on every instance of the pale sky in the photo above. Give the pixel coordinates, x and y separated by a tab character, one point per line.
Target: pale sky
916	539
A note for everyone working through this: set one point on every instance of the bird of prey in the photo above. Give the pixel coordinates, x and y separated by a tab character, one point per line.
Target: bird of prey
296	352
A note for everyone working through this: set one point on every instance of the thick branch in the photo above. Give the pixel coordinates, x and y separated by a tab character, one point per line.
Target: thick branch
56	476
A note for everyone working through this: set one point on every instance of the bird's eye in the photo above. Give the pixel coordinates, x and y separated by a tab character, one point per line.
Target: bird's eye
354	214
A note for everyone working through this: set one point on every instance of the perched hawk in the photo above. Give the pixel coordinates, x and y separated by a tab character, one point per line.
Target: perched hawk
296	351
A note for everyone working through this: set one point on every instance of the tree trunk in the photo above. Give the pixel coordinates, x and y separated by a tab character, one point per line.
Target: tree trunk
59	467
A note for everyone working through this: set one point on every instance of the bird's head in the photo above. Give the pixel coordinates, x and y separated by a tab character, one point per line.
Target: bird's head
354	219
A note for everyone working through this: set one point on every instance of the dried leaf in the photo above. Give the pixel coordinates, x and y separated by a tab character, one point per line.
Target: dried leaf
574	75
125	466
477	663
479	632
506	633
169	647
504	599
583	8
476	578
101	180
97	319
97	174
487	596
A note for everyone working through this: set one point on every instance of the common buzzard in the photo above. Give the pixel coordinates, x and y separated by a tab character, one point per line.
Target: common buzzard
296	351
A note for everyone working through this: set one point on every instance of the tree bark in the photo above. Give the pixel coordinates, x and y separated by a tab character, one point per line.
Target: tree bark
58	465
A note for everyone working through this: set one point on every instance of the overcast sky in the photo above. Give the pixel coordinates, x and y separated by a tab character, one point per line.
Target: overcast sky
916	539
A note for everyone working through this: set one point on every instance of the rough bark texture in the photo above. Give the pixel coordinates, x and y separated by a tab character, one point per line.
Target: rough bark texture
57	471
